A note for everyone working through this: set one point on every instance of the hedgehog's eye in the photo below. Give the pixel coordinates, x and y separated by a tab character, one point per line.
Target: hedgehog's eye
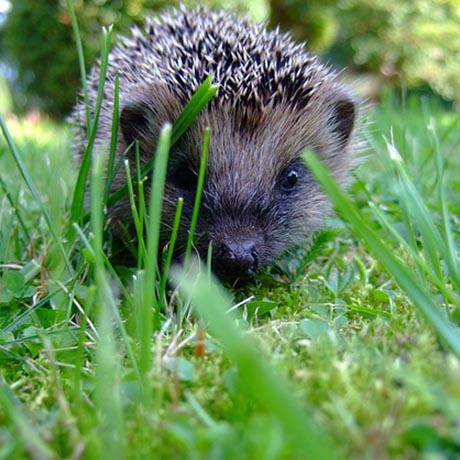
289	180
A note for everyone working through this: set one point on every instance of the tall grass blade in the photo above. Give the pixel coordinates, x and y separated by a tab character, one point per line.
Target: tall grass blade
153	241
81	60
170	252
107	359
432	240
76	212
200	99
422	266
199	192
137	219
141	205
114	137
451	256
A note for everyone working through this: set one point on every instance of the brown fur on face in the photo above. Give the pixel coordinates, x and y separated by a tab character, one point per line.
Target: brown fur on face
275	101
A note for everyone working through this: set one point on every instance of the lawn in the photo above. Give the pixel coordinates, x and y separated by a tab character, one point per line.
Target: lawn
349	348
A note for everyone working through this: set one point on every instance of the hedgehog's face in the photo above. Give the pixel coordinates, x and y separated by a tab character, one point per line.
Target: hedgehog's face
259	198
250	221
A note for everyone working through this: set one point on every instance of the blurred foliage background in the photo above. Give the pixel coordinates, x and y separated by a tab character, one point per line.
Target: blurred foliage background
414	44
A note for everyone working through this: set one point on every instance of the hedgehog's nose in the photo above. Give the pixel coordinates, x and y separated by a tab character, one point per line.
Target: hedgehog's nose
236	259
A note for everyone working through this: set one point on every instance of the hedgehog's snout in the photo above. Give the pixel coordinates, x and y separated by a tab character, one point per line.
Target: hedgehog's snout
236	259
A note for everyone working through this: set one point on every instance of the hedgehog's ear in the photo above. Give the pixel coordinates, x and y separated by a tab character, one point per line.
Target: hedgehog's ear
136	120
342	119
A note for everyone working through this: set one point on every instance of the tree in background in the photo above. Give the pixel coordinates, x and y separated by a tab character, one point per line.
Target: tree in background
413	43
39	45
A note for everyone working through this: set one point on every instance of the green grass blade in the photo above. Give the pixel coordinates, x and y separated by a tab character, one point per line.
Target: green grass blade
450	255
171	246
199	192
153	241
81	60
432	240
421	263
258	380
141	206
114	137
137	219
420	298
76	212
199	100
107	359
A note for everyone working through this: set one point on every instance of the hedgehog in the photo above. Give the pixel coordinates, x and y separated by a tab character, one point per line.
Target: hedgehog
275	100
